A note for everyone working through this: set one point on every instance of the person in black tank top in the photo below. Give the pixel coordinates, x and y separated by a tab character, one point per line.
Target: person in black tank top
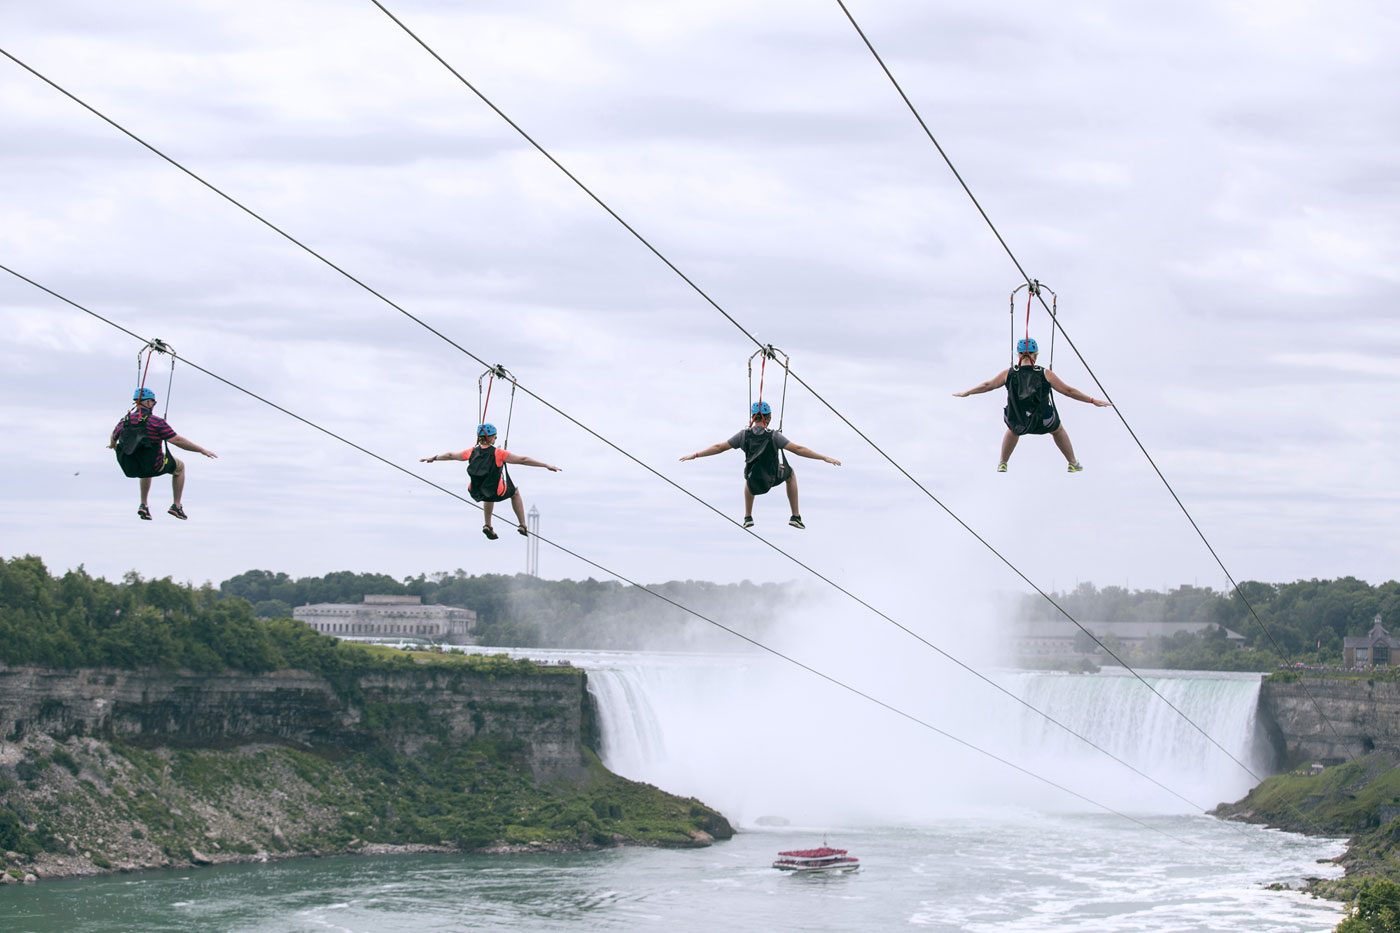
489	480
1030	403
765	465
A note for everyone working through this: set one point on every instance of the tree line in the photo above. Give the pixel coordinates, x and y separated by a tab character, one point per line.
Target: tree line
1305	620
77	620
528	612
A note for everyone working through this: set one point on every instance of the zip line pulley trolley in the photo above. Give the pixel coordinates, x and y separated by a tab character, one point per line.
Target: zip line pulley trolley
143	367
483	402
768	352
1033	290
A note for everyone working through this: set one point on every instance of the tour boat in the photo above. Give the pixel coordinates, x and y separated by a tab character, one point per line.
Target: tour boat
823	859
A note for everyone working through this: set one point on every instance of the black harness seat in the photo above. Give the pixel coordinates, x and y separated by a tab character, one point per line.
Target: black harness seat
1030	401
488	483
765	466
138	452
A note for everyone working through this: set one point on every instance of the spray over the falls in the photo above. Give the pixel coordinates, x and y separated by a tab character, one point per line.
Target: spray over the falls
759	739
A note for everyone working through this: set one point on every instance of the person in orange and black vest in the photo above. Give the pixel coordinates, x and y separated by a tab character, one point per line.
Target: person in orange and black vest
764	463
1030	406
490	480
141	440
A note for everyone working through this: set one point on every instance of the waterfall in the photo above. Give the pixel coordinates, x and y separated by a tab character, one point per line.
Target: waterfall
757	738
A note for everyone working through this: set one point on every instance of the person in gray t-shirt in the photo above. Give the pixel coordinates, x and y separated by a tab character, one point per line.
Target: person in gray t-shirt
764	465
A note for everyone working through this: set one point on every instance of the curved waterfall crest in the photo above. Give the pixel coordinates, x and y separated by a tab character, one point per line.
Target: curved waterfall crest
757	739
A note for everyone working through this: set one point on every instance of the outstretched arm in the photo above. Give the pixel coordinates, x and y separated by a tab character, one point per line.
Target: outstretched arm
450	455
996	382
809	453
710	451
186	444
1060	386
528	461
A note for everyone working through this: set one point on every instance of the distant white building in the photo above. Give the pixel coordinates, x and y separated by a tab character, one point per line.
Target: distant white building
391	618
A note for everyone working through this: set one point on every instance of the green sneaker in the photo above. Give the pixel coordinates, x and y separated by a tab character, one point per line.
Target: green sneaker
1075	467
1001	467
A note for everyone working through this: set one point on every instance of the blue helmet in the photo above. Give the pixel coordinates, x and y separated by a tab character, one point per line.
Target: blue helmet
143	393
486	430
1028	345
760	408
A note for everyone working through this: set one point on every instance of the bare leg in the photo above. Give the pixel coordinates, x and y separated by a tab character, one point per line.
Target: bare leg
748	500
1062	441
1008	444
177	482
145	488
518	504
791	486
486	510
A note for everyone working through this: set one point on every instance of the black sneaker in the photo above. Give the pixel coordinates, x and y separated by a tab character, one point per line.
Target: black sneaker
796	522
748	521
144	512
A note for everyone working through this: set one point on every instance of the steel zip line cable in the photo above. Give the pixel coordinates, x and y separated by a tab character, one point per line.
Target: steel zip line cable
1055	323
630	229
692	284
577	556
650	469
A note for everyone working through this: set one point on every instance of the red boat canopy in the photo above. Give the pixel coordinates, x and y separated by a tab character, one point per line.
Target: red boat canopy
823	852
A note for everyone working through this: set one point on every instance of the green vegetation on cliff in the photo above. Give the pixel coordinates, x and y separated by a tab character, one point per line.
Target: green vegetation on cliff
1359	799
1376	910
481	794
124	806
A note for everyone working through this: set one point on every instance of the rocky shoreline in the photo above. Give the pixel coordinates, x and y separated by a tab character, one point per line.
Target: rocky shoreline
1358	800
16	869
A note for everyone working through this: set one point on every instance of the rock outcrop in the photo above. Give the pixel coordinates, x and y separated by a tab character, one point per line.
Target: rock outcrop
1361	716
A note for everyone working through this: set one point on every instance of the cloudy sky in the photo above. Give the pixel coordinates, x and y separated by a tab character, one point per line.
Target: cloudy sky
1210	187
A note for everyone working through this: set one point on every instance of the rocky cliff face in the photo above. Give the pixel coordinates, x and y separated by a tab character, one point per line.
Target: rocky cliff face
118	770
1365	715
434	703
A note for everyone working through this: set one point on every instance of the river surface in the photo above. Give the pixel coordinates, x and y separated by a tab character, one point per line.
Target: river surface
1024	873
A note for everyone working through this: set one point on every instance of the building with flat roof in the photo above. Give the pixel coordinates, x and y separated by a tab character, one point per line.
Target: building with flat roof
391	618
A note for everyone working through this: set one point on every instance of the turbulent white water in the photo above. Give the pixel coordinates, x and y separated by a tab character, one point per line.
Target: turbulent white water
757	738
